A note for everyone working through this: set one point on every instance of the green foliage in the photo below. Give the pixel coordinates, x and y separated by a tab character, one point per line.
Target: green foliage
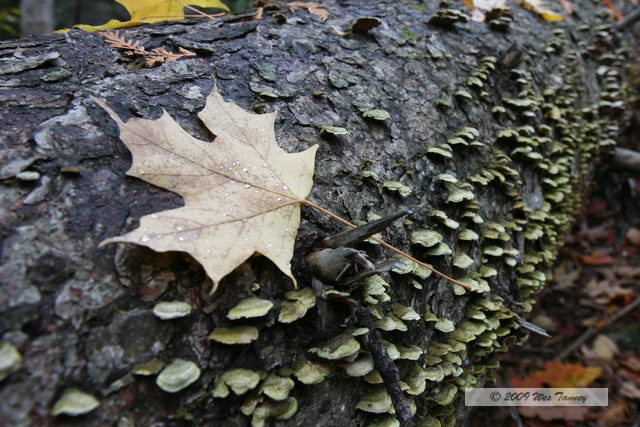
9	22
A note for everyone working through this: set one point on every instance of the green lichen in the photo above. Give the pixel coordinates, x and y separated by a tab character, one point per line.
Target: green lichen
397	187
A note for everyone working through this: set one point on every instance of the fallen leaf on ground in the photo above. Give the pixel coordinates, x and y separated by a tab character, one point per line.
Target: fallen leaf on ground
567	6
630	390
628	272
604	347
596	208
633	236
632	363
601	233
614	10
540	7
568	329
548	413
604	288
596	258
614	415
630	384
566	274
242	192
558	374
317	9
480	7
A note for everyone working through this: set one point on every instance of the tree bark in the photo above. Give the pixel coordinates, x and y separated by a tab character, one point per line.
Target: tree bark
547	100
36	17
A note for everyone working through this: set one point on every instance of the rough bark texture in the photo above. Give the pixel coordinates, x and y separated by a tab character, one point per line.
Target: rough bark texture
82	316
36	17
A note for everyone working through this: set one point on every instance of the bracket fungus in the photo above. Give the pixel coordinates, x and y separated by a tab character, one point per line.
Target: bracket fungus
441	249
405	313
444	325
249	308
171	309
443	150
468	235
10	359
337	349
391	323
397	187
376	114
308	372
179	374
426	238
239	380
360	367
376	401
299	302
412	352
445	395
462	260
74	402
148	368
277	387
333	131
234	334
281	410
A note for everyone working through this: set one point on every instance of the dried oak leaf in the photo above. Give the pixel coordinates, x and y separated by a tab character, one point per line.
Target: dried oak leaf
558	374
241	192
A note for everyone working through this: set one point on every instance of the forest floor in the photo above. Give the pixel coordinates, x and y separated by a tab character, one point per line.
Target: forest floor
591	309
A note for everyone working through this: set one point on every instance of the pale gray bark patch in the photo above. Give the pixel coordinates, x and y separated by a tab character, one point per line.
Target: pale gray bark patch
81	315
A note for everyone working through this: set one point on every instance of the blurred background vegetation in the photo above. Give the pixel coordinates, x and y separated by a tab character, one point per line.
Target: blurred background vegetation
67	13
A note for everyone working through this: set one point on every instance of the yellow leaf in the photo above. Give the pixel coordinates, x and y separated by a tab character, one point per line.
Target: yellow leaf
148	11
242	192
112	24
547	16
541	9
159	10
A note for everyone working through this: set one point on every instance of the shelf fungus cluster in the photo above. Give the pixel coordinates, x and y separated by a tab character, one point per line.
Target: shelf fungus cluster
447	17
479	76
453	360
535	163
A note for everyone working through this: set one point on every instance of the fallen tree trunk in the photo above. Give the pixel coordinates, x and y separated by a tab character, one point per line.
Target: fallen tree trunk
488	137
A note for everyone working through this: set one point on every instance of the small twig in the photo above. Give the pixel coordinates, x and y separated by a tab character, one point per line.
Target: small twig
159	54
628	20
533	328
385	366
362	232
199	12
589	333
387	245
313	8
321	307
626	160
203	15
378	269
513	411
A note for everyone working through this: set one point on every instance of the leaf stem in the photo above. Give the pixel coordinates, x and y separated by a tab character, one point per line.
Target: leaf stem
199	12
387	245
